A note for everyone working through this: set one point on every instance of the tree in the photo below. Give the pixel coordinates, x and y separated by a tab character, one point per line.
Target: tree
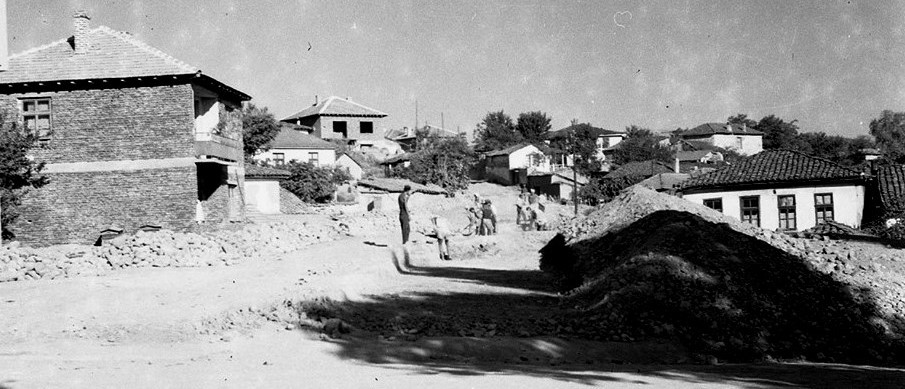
889	131
742	119
533	126
259	128
581	144
640	145
779	134
441	161
495	132
18	172
311	183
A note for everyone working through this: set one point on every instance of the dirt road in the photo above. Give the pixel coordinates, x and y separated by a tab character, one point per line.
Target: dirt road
486	319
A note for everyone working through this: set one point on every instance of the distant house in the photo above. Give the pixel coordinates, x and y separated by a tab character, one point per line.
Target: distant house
262	188
343	119
739	138
701	156
510	166
354	163
557	184
293	143
782	190
665	182
606	141
131	137
408	138
642	170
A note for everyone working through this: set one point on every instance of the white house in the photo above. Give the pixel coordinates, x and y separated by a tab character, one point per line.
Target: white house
739	138
606	140
262	188
510	166
354	163
293	143
782	190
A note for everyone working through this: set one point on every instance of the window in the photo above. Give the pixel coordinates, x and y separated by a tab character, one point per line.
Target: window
787	213
313	158
367	127
279	159
340	127
36	117
751	210
823	205
716	204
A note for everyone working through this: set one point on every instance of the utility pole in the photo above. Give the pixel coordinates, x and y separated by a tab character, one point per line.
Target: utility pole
572	147
442	122
416	116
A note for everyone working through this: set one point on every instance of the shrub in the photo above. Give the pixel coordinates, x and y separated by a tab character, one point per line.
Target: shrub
311	183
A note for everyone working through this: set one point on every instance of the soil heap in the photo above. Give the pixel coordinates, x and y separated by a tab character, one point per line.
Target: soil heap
649	265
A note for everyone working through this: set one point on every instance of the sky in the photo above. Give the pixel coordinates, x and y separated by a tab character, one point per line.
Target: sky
831	65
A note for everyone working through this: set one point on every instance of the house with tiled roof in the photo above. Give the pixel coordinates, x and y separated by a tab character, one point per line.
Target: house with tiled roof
782	190
294	143
735	137
341	118
130	136
639	169
606	141
353	162
891	188
510	166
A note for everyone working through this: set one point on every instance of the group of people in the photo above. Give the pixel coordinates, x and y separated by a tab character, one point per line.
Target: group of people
530	212
482	218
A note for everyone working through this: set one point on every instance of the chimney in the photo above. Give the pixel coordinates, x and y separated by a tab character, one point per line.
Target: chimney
82	24
676	166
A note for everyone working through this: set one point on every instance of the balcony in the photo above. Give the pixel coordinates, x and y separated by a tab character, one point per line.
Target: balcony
209	145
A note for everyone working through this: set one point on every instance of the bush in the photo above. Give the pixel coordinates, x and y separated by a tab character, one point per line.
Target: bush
17	172
313	184
441	161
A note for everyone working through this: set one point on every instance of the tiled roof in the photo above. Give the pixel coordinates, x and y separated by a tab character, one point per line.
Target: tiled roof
643	168
290	138
255	171
891	180
507	151
686	156
595	131
664	181
355	157
111	55
397	159
721	128
774	166
335	106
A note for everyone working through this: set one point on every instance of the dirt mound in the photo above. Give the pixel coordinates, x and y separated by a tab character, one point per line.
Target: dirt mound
649	265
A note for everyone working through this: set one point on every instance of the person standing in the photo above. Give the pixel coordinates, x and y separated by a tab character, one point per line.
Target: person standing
404	213
488	218
441	229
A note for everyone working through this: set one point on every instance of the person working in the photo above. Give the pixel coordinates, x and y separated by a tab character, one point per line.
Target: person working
404	213
488	218
442	232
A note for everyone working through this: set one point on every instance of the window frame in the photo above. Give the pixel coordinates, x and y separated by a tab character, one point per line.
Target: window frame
36	114
316	158
818	208
361	127
718	200
345	126
786	210
743	208
279	159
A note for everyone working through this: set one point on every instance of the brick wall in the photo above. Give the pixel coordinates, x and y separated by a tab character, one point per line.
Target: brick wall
116	124
353	128
74	207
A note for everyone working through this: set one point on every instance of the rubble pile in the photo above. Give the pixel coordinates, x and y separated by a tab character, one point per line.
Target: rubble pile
649	265
162	248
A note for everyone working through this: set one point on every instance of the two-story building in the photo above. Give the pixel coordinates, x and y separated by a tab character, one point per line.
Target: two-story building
130	136
338	118
738	138
606	141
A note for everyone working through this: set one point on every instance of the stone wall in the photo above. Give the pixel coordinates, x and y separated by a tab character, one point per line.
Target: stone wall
75	207
116	124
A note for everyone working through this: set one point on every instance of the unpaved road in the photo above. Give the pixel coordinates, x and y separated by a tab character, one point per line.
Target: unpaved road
176	328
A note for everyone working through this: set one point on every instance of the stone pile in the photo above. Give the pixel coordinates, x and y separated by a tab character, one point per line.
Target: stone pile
161	249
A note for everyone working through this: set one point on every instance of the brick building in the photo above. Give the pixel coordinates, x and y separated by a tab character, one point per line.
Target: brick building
338	118
130	135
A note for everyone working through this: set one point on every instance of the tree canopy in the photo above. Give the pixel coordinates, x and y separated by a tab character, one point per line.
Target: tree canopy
889	131
496	131
533	126
259	128
444	161
640	145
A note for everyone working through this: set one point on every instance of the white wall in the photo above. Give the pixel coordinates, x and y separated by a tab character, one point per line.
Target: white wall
743	144
354	170
263	195
521	159
848	204
326	157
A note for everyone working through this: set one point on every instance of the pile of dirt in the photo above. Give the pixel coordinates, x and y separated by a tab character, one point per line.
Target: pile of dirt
649	265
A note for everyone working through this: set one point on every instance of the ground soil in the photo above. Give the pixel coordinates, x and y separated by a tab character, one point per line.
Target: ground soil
488	318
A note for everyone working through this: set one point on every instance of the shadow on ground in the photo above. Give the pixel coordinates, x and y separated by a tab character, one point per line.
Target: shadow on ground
673	288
